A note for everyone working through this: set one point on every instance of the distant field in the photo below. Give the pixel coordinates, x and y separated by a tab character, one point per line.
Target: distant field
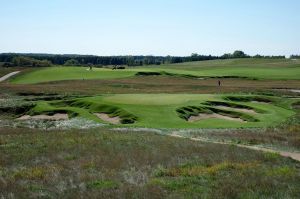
245	68
174	110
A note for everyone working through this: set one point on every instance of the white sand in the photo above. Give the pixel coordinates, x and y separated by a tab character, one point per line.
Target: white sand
107	118
203	116
57	116
237	109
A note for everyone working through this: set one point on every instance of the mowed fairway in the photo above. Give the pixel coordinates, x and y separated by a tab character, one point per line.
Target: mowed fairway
69	73
271	69
174	110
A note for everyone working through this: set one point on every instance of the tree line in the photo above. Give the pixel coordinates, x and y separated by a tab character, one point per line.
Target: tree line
42	60
295	56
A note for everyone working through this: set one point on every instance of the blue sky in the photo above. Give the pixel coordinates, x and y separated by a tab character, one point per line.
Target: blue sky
156	27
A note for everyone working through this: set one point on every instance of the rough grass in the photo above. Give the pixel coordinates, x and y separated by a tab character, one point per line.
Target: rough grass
101	163
15	106
151	84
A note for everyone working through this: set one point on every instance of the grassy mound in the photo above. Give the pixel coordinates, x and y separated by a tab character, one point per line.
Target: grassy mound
173	74
234	105
82	108
248	99
112	111
163	73
187	112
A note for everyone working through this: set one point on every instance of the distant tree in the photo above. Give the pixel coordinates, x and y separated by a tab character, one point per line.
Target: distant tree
258	56
71	62
30	62
8	64
236	54
269	57
194	57
226	56
239	54
295	56
100	61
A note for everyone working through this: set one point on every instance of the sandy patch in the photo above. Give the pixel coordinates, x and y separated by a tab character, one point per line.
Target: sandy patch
237	109
288	90
203	116
55	117
259	102
295	91
107	118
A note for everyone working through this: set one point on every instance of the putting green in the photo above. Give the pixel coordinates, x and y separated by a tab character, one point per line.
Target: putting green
244	68
170	110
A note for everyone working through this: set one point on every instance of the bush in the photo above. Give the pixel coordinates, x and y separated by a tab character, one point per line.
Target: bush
30	62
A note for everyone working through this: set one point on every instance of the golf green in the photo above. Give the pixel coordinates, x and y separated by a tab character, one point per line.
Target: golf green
175	110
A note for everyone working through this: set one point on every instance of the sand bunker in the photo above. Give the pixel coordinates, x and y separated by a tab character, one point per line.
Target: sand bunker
55	117
203	116
295	91
107	118
260	102
237	109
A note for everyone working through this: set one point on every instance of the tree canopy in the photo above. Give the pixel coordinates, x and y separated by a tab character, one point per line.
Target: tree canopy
38	60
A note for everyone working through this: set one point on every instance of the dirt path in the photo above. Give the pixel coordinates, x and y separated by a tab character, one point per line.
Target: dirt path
293	155
5	77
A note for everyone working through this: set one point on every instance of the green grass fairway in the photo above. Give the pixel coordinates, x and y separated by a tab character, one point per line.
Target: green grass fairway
171	110
240	68
69	73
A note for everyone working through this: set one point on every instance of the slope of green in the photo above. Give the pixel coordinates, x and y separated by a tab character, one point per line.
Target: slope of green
240	68
161	110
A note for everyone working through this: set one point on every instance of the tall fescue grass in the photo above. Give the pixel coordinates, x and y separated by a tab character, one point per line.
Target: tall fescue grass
101	163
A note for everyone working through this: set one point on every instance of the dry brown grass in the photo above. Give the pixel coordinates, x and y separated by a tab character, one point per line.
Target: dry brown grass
285	136
104	164
155	84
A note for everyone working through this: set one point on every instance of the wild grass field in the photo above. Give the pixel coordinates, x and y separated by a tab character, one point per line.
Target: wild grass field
132	151
102	163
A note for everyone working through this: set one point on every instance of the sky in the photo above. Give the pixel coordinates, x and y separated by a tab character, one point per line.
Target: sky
150	27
